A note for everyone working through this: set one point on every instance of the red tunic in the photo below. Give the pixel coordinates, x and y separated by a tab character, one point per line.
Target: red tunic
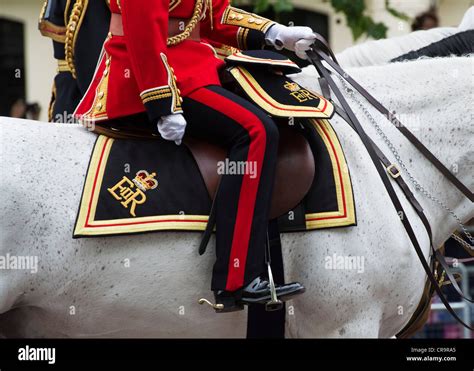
138	71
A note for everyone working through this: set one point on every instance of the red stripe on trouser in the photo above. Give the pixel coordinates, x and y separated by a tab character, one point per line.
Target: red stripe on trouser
248	192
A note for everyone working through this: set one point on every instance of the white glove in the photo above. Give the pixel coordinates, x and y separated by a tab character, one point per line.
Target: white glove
172	127
297	39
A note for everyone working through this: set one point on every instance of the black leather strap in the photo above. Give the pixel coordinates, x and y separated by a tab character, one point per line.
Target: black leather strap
442	260
211	223
404	130
316	57
399	180
260	323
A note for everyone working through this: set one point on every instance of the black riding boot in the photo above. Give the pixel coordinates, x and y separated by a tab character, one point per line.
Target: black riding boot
257	292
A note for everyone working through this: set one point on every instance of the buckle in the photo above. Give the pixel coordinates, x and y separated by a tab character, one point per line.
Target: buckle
394	171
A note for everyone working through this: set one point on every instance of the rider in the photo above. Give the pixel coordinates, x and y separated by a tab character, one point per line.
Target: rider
154	61
75	48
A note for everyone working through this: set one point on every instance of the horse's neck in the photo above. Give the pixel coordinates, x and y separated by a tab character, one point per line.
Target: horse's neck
452	146
433	101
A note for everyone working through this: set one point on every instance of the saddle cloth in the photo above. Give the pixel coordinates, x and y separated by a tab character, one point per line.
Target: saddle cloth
136	186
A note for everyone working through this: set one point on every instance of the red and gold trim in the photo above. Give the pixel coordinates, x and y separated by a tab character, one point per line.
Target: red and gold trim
345	214
86	224
238	17
48	29
241	57
56	33
222	51
97	111
259	96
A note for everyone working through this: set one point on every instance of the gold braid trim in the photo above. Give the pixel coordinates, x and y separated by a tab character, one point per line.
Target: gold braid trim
62	66
175	40
52	102
49	29
66	11
72	29
43	10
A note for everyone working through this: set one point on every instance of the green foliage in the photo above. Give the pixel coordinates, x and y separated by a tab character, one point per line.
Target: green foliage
260	6
395	12
281	6
359	23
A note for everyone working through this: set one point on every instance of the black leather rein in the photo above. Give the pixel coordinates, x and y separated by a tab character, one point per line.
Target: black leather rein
317	55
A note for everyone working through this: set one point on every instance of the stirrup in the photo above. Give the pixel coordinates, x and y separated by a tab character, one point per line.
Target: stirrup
274	303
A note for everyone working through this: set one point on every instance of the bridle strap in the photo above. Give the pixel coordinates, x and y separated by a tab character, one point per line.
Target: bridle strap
316	58
403	129
416	205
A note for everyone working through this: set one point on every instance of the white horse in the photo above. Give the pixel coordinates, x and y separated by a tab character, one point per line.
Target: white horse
377	52
149	285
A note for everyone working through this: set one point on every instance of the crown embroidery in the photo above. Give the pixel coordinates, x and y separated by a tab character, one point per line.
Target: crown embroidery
131	193
300	94
292	86
145	181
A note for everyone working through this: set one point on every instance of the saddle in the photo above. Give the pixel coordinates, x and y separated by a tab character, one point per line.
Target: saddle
295	162
311	189
261	77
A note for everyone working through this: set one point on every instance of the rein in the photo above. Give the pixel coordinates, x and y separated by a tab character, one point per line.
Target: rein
321	52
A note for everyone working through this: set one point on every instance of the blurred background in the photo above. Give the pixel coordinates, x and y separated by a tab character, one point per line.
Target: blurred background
27	69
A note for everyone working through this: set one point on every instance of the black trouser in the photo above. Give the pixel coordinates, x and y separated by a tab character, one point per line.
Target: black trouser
66	97
243	199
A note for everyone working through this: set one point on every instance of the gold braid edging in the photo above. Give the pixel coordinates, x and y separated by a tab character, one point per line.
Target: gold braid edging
189	27
75	21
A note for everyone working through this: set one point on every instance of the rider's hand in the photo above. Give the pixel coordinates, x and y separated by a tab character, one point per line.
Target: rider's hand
297	39
172	127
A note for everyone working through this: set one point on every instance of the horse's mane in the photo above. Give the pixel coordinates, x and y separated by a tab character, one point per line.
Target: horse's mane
440	71
383	51
424	65
377	52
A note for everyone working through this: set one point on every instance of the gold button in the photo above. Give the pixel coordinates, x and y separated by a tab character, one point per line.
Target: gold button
251	20
232	16
239	17
106	71
107	62
258	21
101	95
180	100
99	106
